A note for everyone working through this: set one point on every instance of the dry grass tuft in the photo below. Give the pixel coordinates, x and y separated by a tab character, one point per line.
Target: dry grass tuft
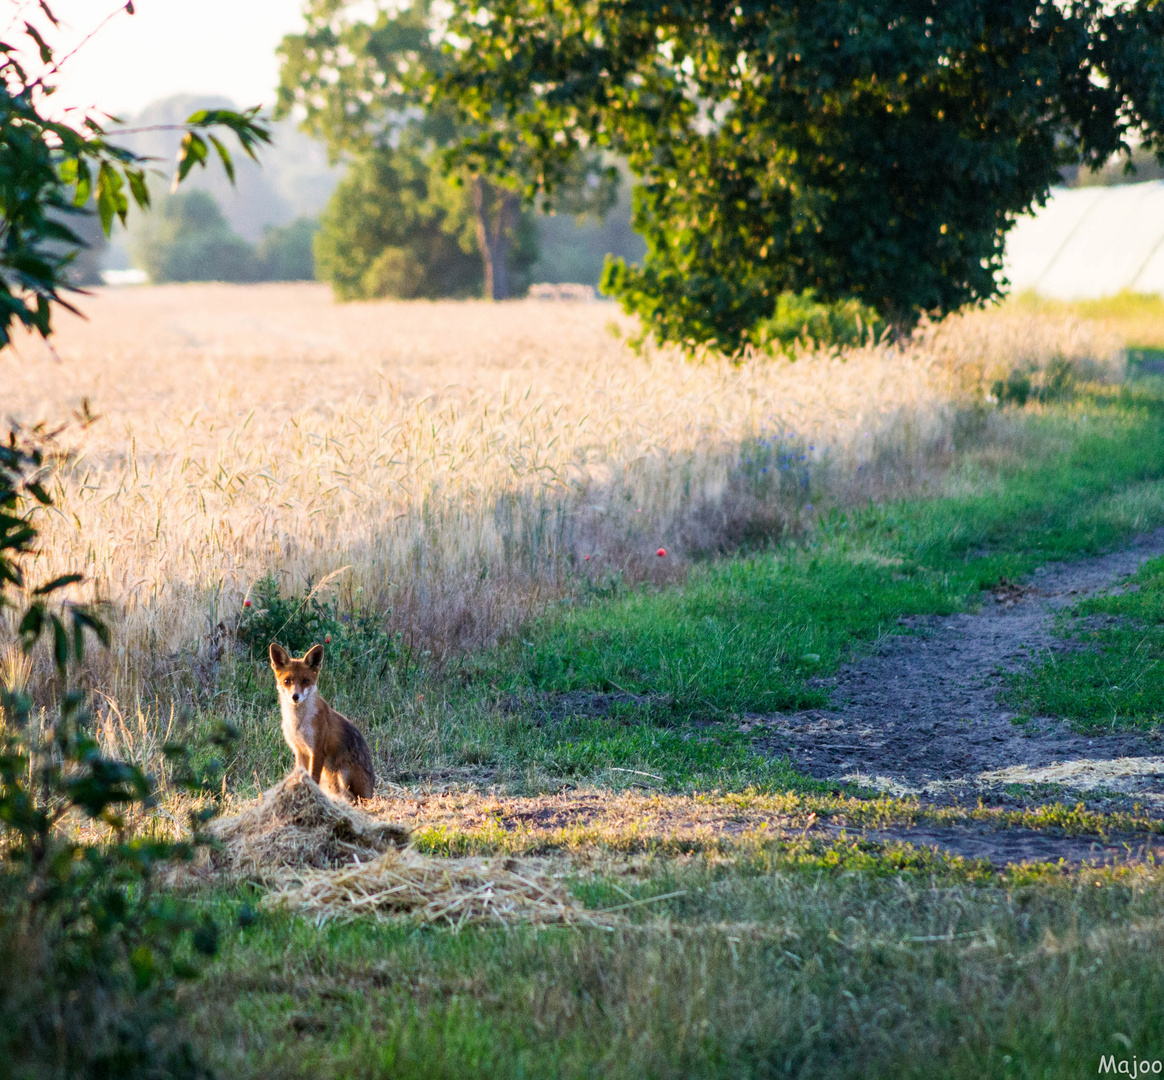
333	862
295	824
450	892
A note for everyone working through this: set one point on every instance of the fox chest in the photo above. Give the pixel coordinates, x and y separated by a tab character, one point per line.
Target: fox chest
298	729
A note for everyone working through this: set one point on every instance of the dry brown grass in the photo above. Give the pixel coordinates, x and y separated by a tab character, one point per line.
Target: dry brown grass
333	861
456	461
296	825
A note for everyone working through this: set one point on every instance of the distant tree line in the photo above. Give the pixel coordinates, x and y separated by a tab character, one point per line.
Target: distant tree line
407	221
189	239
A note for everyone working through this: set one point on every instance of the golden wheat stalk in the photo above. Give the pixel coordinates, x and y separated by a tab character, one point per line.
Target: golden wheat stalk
459	460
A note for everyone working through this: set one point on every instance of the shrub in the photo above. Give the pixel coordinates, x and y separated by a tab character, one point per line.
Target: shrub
298	622
801	320
89	953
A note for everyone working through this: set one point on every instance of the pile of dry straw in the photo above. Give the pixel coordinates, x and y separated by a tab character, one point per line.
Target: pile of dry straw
332	862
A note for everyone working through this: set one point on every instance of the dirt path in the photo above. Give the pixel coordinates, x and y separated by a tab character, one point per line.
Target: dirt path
918	716
921	715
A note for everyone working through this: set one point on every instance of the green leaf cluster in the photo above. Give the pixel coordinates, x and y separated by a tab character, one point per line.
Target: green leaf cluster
802	320
88	950
411	218
353	640
49	172
869	149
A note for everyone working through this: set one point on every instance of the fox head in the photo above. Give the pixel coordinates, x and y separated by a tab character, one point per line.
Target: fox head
296	679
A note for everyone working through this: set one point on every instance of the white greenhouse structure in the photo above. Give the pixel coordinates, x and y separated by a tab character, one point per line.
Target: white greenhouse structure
1090	242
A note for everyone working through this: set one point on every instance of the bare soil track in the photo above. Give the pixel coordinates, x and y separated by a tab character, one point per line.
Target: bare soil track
921	715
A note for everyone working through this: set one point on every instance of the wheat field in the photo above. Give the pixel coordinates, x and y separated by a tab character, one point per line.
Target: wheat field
456	465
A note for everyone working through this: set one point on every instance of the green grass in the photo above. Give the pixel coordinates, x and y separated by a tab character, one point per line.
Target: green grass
1138	318
1113	677
749	973
740	634
748	634
786	955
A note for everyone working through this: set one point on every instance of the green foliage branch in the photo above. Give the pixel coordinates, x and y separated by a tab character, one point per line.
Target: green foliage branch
89	951
868	149
50	170
361	77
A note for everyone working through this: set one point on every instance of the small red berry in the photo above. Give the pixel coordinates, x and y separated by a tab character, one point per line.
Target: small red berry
246	603
586	557
661	552
327	640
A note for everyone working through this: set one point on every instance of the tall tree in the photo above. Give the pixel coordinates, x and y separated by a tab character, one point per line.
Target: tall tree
360	76
876	149
396	227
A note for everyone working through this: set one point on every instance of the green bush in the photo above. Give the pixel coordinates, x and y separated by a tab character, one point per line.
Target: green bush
801	320
89	953
298	622
1055	382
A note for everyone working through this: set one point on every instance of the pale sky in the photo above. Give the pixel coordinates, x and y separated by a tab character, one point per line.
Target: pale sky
167	47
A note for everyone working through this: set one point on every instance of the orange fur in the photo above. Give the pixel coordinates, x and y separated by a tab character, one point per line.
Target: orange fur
325	743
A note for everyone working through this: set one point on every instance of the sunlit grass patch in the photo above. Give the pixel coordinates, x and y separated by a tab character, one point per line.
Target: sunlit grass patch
1111	676
1137	317
750	634
718	969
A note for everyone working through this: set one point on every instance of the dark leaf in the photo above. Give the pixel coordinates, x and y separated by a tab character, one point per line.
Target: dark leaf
58	583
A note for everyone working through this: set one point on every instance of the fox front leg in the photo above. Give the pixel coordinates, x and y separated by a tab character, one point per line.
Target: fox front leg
303	760
316	766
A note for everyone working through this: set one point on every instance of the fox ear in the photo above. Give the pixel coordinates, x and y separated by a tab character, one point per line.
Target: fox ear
314	657
279	657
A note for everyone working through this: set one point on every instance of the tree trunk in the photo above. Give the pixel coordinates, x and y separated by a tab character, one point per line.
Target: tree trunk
496	211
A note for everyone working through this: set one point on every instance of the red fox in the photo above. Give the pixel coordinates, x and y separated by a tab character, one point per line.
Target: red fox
326	744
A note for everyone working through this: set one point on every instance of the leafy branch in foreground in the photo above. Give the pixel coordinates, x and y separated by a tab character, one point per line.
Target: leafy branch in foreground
49	172
89	951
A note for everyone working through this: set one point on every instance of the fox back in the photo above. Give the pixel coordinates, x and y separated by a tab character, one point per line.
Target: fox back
325	743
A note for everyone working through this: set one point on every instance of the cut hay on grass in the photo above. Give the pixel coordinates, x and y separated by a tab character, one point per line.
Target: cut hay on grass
295	824
433	891
334	862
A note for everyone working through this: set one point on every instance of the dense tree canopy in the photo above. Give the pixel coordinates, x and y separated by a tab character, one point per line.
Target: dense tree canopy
874	149
397	227
360	76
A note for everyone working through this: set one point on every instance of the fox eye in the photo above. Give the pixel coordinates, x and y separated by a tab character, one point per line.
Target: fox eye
286	682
